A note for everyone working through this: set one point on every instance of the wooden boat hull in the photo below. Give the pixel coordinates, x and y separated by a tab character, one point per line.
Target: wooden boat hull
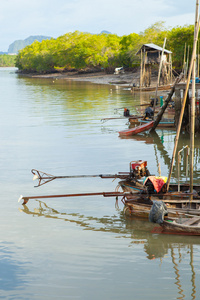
137	187
189	227
153	88
138	204
162	124
175	207
136	130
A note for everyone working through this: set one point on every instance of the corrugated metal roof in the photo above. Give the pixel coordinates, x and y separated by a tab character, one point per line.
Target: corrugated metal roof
153	46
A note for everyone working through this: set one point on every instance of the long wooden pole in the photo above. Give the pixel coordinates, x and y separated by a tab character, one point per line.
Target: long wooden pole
141	72
163	108
184	60
192	117
183	104
188	54
159	71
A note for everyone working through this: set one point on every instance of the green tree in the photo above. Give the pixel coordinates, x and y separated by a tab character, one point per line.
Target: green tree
178	37
79	50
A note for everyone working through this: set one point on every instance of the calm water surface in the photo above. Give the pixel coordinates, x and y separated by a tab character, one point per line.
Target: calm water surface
81	248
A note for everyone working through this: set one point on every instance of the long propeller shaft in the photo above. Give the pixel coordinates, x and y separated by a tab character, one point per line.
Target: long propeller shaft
105	194
44	177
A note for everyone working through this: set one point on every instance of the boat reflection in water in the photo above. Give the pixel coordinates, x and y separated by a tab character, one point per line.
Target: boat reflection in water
176	250
163	247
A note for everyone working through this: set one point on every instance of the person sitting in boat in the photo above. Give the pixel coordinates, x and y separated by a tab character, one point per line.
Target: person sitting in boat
149	113
126	112
152	102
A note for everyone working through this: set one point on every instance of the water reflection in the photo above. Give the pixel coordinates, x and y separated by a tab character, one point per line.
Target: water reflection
12	271
179	248
112	224
136	229
155	246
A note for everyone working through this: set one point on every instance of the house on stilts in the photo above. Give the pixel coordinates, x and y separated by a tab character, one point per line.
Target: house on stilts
150	55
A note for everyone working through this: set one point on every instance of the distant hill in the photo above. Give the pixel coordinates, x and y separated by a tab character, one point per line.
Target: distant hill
20	44
105	31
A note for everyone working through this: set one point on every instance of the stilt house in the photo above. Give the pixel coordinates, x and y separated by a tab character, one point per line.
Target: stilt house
151	58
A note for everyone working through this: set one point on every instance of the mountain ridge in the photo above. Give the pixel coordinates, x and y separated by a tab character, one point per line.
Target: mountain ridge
20	44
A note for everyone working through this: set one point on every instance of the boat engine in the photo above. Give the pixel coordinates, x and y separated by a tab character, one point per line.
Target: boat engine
139	169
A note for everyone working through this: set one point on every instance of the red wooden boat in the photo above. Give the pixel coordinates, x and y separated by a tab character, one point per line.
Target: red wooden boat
137	129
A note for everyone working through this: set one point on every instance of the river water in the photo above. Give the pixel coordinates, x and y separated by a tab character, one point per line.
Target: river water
82	247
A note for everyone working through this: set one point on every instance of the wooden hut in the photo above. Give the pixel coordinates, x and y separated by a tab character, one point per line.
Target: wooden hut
151	56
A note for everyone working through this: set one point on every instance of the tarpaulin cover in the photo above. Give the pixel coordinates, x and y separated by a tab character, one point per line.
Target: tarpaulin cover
157	181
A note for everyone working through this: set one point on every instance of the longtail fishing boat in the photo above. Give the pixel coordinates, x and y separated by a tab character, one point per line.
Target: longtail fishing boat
180	226
138	129
185	224
141	194
145	125
136	195
165	123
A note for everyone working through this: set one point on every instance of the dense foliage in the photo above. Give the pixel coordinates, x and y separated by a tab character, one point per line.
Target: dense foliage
80	50
7	60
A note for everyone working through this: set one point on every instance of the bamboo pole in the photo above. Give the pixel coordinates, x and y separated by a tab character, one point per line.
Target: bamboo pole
141	69
184	59
192	118
188	55
198	58
183	104
163	108
159	71
184	62
170	56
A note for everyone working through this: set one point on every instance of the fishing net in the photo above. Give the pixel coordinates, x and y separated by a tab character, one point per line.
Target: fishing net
157	212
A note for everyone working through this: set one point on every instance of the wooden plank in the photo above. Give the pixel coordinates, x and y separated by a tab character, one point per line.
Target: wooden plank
191	221
181	201
181	86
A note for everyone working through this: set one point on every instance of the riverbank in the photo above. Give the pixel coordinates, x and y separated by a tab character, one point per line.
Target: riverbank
126	79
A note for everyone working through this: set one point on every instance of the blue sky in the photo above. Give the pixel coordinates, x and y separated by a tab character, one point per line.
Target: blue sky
22	18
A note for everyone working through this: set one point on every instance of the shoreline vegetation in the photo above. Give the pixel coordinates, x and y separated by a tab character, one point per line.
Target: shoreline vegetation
80	51
7	60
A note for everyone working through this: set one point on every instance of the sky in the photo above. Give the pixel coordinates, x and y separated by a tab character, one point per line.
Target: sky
20	19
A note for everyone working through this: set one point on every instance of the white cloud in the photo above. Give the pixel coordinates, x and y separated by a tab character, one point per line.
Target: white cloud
21	18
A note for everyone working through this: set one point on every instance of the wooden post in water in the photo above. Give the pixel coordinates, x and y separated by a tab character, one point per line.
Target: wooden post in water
183	104
159	71
141	69
192	117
